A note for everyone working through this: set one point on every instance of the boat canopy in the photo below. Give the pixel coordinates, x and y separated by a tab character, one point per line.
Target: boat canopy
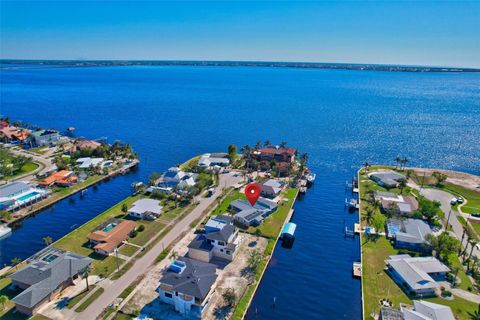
289	229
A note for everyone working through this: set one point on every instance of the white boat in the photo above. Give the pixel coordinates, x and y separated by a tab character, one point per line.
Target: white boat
311	178
5	231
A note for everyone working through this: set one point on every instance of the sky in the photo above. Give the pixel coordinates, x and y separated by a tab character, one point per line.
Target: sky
409	33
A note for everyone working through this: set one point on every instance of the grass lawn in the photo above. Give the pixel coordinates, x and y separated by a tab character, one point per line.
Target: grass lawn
72	302
8	158
472	231
39	150
39	317
128	250
465	280
376	283
225	203
151	229
190	164
89	300
273	224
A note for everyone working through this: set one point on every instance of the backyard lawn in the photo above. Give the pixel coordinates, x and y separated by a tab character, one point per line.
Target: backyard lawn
225	203
273	224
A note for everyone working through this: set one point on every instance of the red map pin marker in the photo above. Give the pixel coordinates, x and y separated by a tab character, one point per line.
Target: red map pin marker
252	191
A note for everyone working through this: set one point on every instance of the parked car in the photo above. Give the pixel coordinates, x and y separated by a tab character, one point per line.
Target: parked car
459	200
453	201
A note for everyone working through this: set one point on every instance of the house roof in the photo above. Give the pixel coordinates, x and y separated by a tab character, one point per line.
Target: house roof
429	311
410	230
56	176
261	204
222	234
218	222
87	162
274	151
250	215
111	239
142	206
200	243
13	188
387	177
84	144
208	159
44	277
195	280
415	271
271	186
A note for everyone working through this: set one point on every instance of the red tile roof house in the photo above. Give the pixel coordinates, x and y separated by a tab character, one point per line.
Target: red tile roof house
62	178
277	154
11	133
111	235
87	144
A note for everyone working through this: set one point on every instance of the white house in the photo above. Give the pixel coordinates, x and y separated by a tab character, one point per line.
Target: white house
145	209
213	159
221	243
417	275
187	285
85	163
425	310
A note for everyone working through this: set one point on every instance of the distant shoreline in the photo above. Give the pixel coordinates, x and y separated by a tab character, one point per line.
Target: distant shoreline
301	65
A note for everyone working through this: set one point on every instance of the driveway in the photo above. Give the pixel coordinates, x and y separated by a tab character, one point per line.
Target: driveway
444	199
143	264
46	165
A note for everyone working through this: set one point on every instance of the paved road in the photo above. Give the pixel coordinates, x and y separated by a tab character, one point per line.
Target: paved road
142	265
47	164
444	198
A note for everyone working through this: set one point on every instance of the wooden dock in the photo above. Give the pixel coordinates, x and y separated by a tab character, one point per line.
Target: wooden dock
357	228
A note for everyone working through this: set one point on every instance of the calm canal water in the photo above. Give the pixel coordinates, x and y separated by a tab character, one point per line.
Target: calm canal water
340	118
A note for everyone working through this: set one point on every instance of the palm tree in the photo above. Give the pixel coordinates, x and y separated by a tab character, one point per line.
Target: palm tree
258	144
473	243
266	143
283	144
15	262
47	240
366	165
455	271
475	315
369	215
3	301
404	162
402	184
398	160
85	273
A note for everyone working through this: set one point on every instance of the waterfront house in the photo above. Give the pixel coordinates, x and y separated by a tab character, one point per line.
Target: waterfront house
387	179
175	177
45	137
271	188
404	205
277	154
417	275
248	215
221	243
187	286
110	235
87	162
148	209
213	159
62	178
44	278
87	144
19	195
408	233
12	134
425	310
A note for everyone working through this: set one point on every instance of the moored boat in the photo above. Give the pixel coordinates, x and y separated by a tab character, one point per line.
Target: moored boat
5	231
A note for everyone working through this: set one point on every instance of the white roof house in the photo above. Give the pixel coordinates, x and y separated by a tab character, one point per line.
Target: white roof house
424	310
417	273
88	162
213	159
145	208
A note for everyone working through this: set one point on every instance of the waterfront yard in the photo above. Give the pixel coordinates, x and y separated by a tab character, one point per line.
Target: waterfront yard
224	205
273	224
377	284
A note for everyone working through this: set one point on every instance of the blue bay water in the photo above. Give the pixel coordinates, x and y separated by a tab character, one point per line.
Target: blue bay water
340	118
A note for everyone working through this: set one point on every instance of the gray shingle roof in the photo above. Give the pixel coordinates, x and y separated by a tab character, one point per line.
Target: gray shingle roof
415	271
221	235
196	280
44	277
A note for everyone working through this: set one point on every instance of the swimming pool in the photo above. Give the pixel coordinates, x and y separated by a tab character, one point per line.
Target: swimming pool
109	227
107	164
28	196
